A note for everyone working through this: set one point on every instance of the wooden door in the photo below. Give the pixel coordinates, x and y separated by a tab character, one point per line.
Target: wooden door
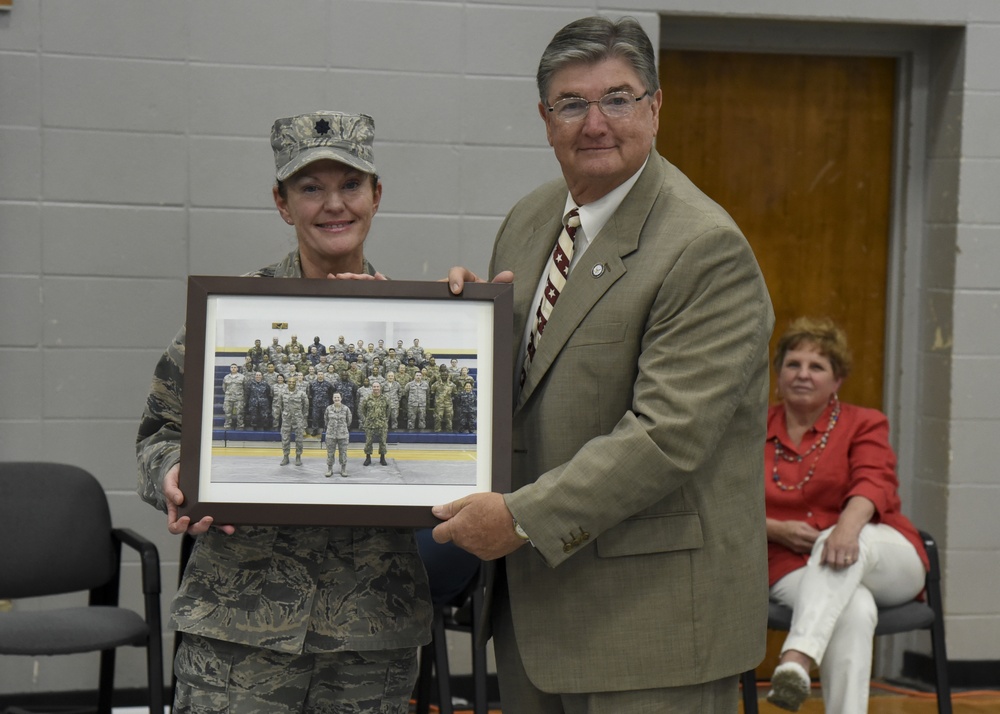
798	149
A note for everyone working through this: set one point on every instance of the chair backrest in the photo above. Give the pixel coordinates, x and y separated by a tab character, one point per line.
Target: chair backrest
55	530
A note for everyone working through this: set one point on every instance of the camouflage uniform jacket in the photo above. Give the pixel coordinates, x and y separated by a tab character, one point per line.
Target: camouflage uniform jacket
376	411
442	390
417	393
294	404
255	355
232	385
391	391
337	420
289	589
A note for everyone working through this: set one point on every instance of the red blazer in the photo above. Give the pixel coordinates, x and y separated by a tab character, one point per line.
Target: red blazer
857	461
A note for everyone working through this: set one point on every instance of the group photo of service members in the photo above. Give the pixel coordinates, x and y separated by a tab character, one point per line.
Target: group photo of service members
287	388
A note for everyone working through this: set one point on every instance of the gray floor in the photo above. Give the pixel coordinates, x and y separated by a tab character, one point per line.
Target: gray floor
266	469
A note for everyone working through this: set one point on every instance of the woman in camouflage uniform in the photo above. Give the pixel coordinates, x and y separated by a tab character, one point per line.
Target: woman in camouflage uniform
292	619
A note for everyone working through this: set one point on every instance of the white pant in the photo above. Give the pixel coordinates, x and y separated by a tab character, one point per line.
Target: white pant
834	612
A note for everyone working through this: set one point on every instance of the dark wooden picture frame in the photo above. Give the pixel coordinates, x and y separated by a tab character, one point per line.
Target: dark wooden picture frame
481	318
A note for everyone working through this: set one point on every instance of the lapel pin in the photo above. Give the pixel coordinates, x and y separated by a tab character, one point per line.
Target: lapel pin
598	271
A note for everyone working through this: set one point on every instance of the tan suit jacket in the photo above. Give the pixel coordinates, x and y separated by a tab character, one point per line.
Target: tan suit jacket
638	445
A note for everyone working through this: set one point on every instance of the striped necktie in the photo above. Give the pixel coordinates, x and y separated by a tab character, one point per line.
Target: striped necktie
558	271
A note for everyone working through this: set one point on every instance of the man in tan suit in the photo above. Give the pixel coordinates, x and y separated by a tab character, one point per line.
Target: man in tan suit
634	571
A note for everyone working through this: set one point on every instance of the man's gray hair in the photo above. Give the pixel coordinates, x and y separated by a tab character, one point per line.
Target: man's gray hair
594	39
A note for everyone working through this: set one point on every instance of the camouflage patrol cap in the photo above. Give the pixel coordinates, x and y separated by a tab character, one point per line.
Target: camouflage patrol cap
300	140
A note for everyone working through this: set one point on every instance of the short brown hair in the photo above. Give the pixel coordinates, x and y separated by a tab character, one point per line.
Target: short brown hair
823	334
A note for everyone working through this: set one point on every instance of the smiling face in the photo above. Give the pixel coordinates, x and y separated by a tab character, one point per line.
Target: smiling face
597	153
806	380
331	206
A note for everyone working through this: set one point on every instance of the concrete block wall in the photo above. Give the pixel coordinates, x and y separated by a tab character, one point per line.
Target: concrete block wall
133	152
974	478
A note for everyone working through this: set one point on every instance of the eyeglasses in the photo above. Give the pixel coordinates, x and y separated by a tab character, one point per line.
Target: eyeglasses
614	105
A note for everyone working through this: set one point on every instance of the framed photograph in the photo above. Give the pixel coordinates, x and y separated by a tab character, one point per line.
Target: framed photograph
284	423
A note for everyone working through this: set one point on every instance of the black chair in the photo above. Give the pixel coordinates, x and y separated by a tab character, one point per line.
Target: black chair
56	537
914	615
461	615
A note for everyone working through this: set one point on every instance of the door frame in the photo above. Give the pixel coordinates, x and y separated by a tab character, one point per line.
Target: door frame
911	46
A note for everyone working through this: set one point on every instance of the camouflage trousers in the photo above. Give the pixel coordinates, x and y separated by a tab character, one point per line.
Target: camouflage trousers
466	419
287	426
376	433
215	677
443	413
258	414
415	416
332	446
231	406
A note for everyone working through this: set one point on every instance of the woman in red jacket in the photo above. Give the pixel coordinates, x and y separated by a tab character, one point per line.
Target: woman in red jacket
838	545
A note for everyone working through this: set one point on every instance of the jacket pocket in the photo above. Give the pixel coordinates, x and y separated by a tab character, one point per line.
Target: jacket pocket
606	333
230	570
652	534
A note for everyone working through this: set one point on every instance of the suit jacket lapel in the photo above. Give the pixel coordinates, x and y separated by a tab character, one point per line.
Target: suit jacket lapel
597	270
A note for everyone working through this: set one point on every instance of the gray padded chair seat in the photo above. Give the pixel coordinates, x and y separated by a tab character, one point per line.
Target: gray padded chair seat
70	630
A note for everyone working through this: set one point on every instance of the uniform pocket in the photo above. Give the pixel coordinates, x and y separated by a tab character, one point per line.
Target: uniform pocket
202	677
230	570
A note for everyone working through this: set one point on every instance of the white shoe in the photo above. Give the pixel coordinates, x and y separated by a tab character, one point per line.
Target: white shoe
789	686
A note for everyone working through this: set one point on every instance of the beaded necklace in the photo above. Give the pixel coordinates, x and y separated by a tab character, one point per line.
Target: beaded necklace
818	446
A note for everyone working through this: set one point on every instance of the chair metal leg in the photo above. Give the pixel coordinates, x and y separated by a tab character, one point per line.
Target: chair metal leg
941	667
154	651
106	682
154	677
441	669
749	681
480	704
938	649
479	674
425	679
